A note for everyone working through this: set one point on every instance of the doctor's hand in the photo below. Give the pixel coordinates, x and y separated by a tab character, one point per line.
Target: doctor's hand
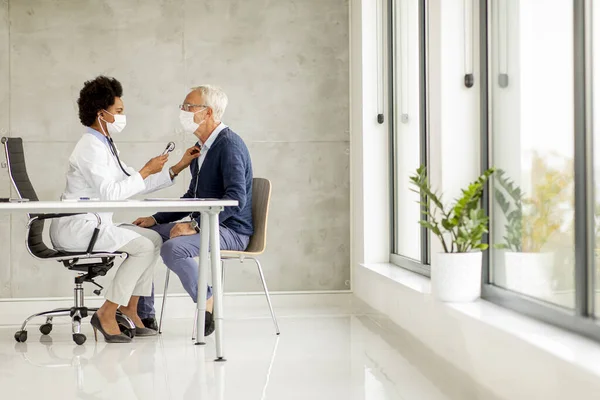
145	222
182	229
154	166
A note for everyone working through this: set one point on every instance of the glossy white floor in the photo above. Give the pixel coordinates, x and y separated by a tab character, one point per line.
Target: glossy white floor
333	348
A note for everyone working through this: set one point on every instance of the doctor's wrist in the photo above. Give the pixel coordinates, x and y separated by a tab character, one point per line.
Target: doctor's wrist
177	168
144	172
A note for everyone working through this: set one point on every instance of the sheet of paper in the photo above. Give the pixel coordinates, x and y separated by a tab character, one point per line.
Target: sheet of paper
172	199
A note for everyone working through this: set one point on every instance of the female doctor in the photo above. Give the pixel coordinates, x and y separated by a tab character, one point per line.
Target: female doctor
95	171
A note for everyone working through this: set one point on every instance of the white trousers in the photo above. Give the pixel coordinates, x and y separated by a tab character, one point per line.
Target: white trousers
135	275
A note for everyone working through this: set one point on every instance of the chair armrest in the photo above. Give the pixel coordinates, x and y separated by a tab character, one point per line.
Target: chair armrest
42	217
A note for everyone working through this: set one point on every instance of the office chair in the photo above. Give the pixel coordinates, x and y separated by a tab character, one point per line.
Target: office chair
261	199
96	263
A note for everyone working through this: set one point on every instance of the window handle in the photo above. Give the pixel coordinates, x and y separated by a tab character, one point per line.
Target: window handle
404	61
380	49
468	42
502	24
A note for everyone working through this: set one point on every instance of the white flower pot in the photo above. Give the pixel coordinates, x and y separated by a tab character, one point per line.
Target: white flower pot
529	273
456	277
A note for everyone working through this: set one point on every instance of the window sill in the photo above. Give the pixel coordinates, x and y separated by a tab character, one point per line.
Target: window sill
574	349
409	279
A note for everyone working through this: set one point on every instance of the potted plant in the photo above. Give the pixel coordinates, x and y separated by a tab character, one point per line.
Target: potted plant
530	224
455	273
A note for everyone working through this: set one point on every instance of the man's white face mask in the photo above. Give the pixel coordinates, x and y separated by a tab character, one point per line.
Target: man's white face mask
187	121
118	125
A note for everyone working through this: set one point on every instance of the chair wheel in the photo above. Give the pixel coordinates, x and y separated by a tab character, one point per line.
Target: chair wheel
21	336
46	329
79	338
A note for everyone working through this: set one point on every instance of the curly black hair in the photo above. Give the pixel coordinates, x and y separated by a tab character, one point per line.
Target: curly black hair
96	95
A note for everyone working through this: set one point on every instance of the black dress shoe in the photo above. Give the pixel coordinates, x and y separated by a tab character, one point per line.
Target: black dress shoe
150	323
209	324
145	332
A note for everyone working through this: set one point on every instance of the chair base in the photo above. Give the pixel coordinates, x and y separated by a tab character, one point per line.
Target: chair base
77	313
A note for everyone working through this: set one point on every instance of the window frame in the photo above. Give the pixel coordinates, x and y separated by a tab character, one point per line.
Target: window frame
581	319
421	266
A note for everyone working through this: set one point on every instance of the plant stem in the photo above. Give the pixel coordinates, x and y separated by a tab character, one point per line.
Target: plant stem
443	243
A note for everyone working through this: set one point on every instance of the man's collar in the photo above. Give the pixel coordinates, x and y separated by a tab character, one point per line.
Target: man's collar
213	136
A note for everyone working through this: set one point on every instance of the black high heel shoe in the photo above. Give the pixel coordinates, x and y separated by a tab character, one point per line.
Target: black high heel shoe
120	338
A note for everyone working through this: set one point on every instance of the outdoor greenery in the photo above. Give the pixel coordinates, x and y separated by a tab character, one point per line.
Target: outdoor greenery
531	221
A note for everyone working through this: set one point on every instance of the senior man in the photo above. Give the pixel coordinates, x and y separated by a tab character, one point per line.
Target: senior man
223	171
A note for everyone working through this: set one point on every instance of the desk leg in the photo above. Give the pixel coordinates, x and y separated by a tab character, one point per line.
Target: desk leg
215	260
202	278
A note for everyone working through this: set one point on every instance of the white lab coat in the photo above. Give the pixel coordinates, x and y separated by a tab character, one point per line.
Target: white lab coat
95	173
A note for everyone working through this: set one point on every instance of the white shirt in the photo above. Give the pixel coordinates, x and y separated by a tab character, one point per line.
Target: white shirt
94	172
206	145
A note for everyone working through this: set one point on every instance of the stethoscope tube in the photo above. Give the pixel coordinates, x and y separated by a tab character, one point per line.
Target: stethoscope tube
196	214
113	150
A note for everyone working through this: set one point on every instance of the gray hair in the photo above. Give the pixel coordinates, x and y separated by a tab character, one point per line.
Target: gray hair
215	98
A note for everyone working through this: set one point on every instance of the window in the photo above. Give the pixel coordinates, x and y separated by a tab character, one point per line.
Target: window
537	95
595	273
532	136
407	127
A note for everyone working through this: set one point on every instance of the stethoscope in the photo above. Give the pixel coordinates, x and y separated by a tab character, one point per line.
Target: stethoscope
195	214
113	150
197	173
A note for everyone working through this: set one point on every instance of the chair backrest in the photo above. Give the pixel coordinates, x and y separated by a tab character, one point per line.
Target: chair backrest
261	198
15	159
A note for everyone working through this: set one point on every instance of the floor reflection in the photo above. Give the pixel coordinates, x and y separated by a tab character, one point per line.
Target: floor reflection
324	356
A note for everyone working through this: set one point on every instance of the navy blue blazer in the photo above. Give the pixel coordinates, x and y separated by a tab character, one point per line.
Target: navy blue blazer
226	173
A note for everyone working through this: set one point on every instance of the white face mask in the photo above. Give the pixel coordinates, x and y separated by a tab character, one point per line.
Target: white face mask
187	121
118	125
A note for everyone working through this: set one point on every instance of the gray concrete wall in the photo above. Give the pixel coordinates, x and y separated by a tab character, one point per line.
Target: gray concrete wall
284	65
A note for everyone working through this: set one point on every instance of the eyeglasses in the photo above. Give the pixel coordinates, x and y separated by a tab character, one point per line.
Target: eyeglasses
186	106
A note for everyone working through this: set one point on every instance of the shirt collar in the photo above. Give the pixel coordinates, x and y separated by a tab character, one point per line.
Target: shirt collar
94	132
213	136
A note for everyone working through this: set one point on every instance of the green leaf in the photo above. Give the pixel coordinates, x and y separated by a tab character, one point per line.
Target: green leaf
430	226
447	224
465	222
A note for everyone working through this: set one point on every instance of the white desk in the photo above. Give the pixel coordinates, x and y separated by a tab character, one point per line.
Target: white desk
209	209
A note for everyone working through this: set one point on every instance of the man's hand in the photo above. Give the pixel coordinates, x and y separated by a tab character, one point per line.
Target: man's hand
145	222
190	155
182	229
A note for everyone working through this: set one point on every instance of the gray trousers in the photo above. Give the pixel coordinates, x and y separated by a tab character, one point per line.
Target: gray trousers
134	275
178	255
